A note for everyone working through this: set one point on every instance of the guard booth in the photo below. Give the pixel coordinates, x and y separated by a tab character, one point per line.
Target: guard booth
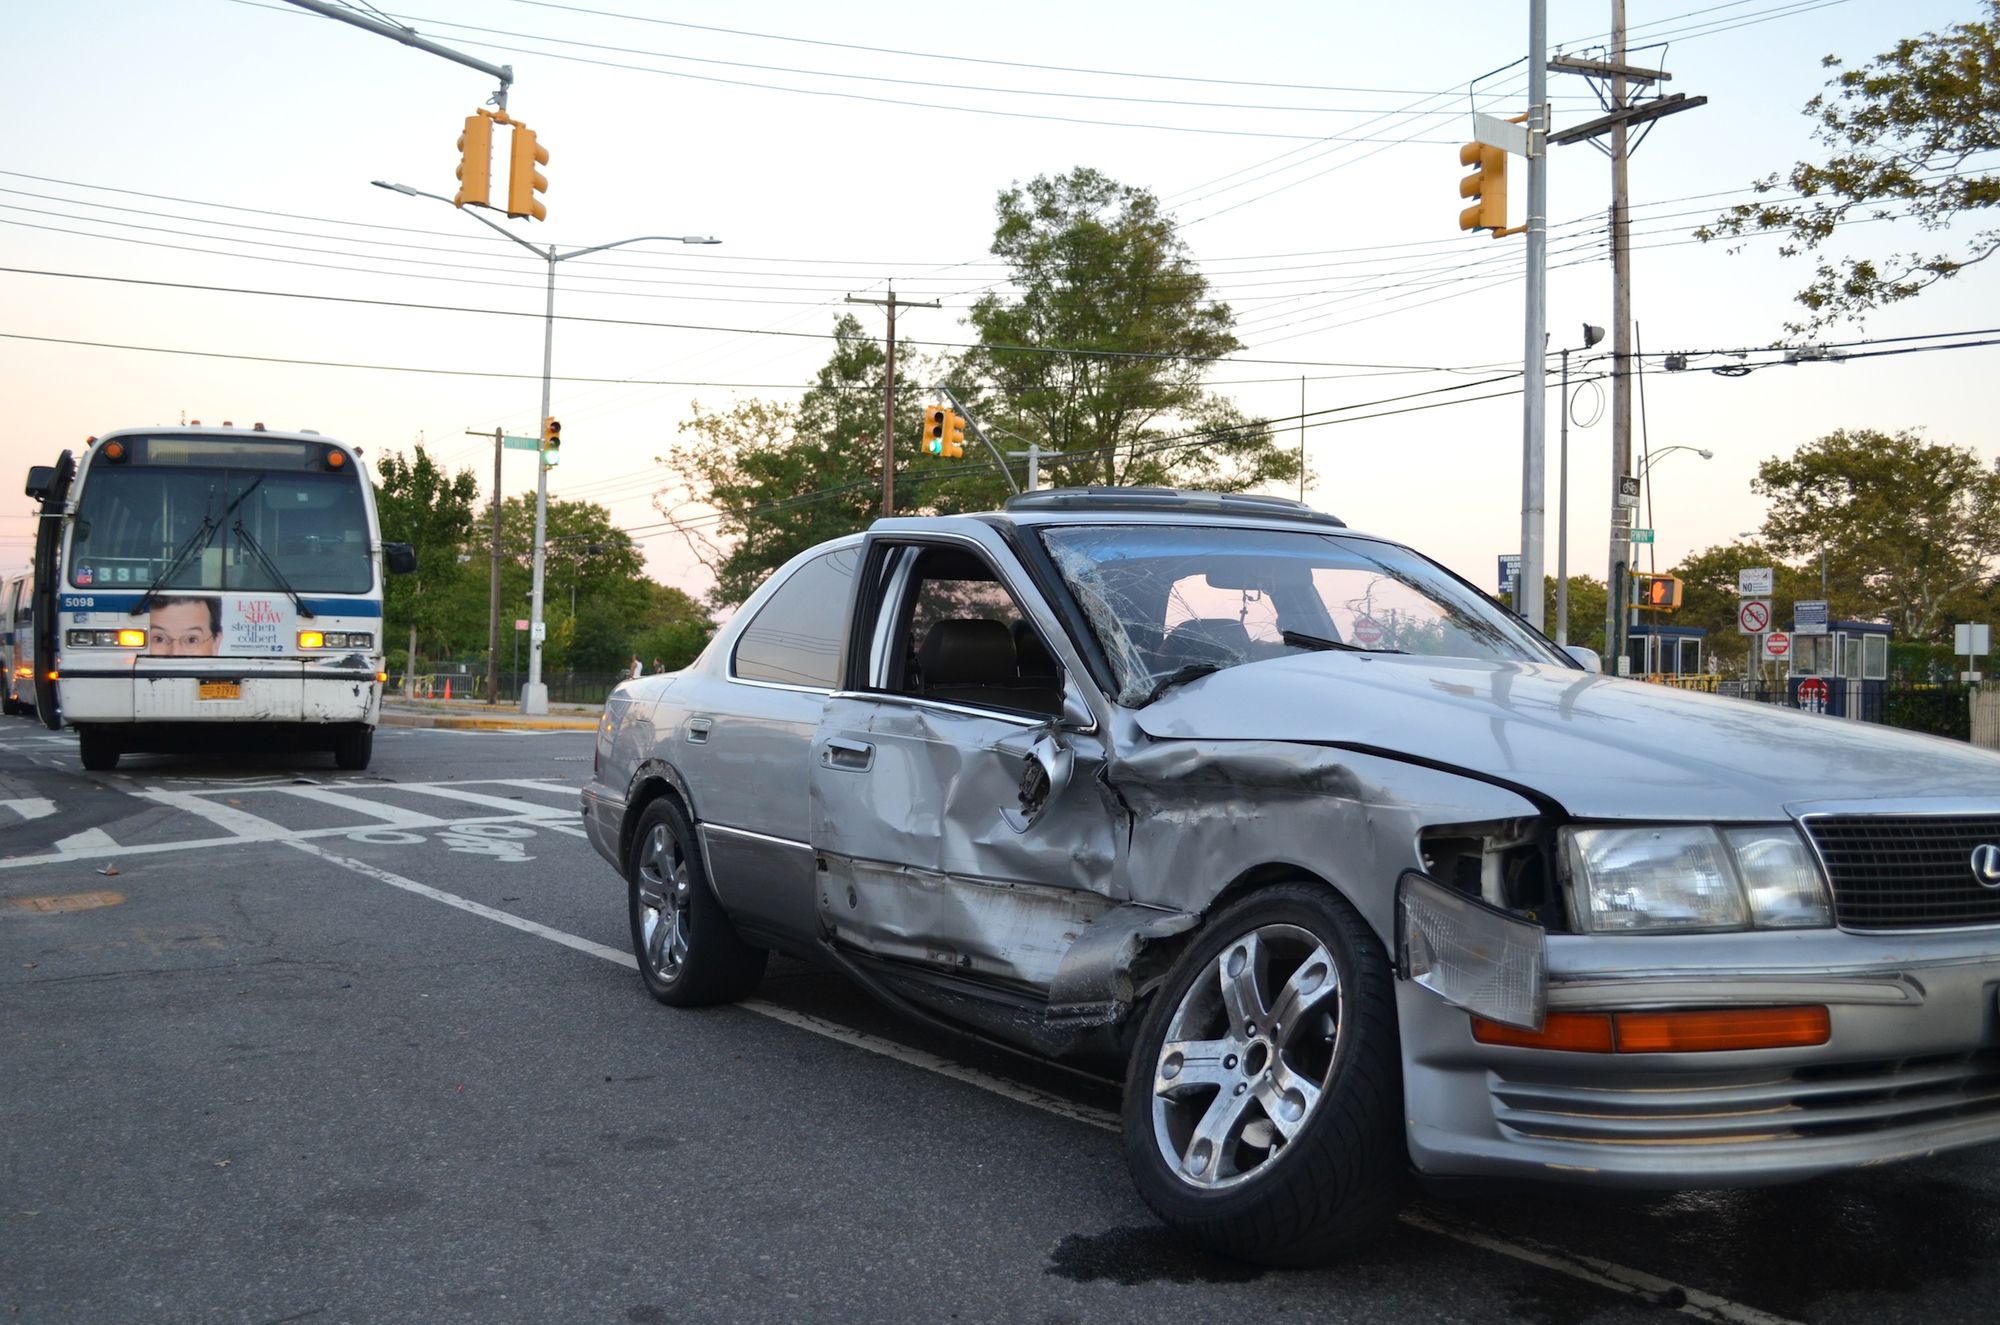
1844	672
1673	655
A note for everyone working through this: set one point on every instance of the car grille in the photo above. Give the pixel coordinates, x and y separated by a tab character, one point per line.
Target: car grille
1757	1108
1906	871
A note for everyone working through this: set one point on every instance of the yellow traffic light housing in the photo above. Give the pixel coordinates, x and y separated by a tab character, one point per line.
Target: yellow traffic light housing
475	161
1659	593
934	428
952	442
523	180
1487	184
551	443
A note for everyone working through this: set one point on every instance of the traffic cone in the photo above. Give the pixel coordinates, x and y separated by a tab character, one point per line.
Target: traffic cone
447	687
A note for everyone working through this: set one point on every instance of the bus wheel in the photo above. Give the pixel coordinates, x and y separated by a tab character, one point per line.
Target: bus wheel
353	748
100	752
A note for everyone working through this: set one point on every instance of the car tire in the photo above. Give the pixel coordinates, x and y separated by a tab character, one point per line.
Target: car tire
352	749
690	955
1279	1143
98	750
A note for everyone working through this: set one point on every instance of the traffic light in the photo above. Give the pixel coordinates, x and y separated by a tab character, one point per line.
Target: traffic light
953	440
1658	593
475	161
523	180
1488	184
551	443
933	429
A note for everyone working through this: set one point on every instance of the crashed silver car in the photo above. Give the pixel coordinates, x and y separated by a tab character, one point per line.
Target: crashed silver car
1349	873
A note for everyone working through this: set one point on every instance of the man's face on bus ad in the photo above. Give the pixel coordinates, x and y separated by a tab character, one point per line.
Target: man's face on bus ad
182	628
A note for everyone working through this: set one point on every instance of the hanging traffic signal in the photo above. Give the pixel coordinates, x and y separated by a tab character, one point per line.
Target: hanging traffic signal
1487	184
952	441
933	429
523	180
475	161
551	443
1658	593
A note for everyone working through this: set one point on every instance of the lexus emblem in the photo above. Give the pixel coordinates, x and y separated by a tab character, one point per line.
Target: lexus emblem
1986	865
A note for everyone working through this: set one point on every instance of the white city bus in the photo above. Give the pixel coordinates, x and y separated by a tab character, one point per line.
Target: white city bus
17	670
189	577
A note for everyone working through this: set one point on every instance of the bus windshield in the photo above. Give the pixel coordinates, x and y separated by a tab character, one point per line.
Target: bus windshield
220	529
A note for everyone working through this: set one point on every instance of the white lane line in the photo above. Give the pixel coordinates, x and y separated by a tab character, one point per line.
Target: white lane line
491	802
392	816
1604	1274
31	807
90	839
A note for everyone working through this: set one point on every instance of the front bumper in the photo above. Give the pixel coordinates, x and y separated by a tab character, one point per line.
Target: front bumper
1912	1066
266	692
604	822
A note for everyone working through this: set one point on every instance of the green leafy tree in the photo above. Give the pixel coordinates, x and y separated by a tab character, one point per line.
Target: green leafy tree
785	478
1098	348
1908	526
421	505
1586	611
1909	134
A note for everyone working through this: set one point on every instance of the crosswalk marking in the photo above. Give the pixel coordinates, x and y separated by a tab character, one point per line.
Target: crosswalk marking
31	807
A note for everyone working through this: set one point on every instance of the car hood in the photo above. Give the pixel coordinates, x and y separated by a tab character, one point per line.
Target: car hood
1600	746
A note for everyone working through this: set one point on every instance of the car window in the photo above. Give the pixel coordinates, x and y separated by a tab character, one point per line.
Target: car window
799	634
957	635
1165	598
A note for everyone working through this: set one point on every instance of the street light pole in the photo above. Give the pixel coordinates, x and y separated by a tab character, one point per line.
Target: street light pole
535	695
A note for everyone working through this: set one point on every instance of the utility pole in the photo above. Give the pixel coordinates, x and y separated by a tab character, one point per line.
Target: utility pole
1620	117
1534	353
493	587
892	303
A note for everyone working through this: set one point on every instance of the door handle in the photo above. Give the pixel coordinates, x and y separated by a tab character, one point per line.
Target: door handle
698	730
856	756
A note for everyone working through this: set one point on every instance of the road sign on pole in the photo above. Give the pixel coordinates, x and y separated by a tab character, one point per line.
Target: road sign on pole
1753	616
1642	535
513	443
1755	581
1777	646
1813	694
1809	617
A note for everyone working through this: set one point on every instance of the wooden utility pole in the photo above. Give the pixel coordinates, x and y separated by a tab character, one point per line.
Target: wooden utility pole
892	303
1620	117
493	586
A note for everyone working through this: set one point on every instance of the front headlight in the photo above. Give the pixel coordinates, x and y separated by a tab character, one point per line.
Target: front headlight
1681	877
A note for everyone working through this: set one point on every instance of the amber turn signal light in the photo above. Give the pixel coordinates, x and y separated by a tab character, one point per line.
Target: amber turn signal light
1710	1031
312	639
131	639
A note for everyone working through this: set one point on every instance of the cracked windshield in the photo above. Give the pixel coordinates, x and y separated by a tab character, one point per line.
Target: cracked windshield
1177	602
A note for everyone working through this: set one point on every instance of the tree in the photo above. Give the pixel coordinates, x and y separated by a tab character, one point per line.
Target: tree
420	505
1900	132
1709	598
785	478
1908	526
1586	612
1098	350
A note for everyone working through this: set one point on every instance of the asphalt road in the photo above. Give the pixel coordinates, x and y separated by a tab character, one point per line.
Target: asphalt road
279	1043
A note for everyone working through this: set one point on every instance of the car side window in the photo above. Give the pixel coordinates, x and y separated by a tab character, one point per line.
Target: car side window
960	637
799	636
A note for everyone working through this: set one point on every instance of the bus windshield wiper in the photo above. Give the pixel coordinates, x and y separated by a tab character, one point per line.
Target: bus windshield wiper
271	567
196	542
1298	639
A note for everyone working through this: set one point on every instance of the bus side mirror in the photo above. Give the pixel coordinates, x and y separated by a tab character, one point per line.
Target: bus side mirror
41	481
400	558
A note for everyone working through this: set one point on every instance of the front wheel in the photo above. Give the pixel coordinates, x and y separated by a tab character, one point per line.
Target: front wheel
690	955
1263	1104
99	750
354	747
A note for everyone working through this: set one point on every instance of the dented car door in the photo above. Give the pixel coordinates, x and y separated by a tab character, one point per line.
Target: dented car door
957	818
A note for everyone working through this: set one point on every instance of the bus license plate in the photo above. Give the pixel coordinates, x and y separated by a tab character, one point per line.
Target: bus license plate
220	690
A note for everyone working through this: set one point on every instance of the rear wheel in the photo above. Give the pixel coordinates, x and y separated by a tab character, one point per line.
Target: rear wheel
353	748
98	748
1263	1105
690	955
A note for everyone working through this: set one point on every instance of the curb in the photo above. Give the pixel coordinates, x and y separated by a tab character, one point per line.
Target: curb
450	722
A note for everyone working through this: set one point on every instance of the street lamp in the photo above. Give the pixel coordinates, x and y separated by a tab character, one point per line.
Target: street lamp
535	695
1591	335
1646	464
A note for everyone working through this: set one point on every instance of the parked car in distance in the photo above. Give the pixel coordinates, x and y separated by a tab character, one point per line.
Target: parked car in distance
1350	873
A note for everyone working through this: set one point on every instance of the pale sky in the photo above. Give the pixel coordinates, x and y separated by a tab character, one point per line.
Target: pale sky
230	143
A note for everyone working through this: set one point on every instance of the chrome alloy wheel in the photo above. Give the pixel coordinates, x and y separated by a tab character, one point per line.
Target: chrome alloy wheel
1248	1053
663	903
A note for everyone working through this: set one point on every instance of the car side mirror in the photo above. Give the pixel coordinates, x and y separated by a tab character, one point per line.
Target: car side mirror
1585	658
399	558
41	481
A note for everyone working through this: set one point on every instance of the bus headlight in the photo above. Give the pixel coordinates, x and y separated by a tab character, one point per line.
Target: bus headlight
105	639
336	639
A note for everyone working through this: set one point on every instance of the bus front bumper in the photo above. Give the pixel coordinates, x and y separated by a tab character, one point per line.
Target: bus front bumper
288	692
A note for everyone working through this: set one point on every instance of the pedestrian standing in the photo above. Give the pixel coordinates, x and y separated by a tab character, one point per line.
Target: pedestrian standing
659	668
637	670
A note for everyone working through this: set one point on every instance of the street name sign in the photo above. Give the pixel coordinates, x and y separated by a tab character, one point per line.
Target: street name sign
1753	616
1642	535
520	443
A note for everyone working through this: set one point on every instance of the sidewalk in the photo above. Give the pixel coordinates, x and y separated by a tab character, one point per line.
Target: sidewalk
477	715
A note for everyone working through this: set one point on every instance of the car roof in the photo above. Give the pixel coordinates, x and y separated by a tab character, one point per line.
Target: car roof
1136	506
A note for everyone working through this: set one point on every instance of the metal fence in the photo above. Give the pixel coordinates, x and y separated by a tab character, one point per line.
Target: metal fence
564	687
1938	709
